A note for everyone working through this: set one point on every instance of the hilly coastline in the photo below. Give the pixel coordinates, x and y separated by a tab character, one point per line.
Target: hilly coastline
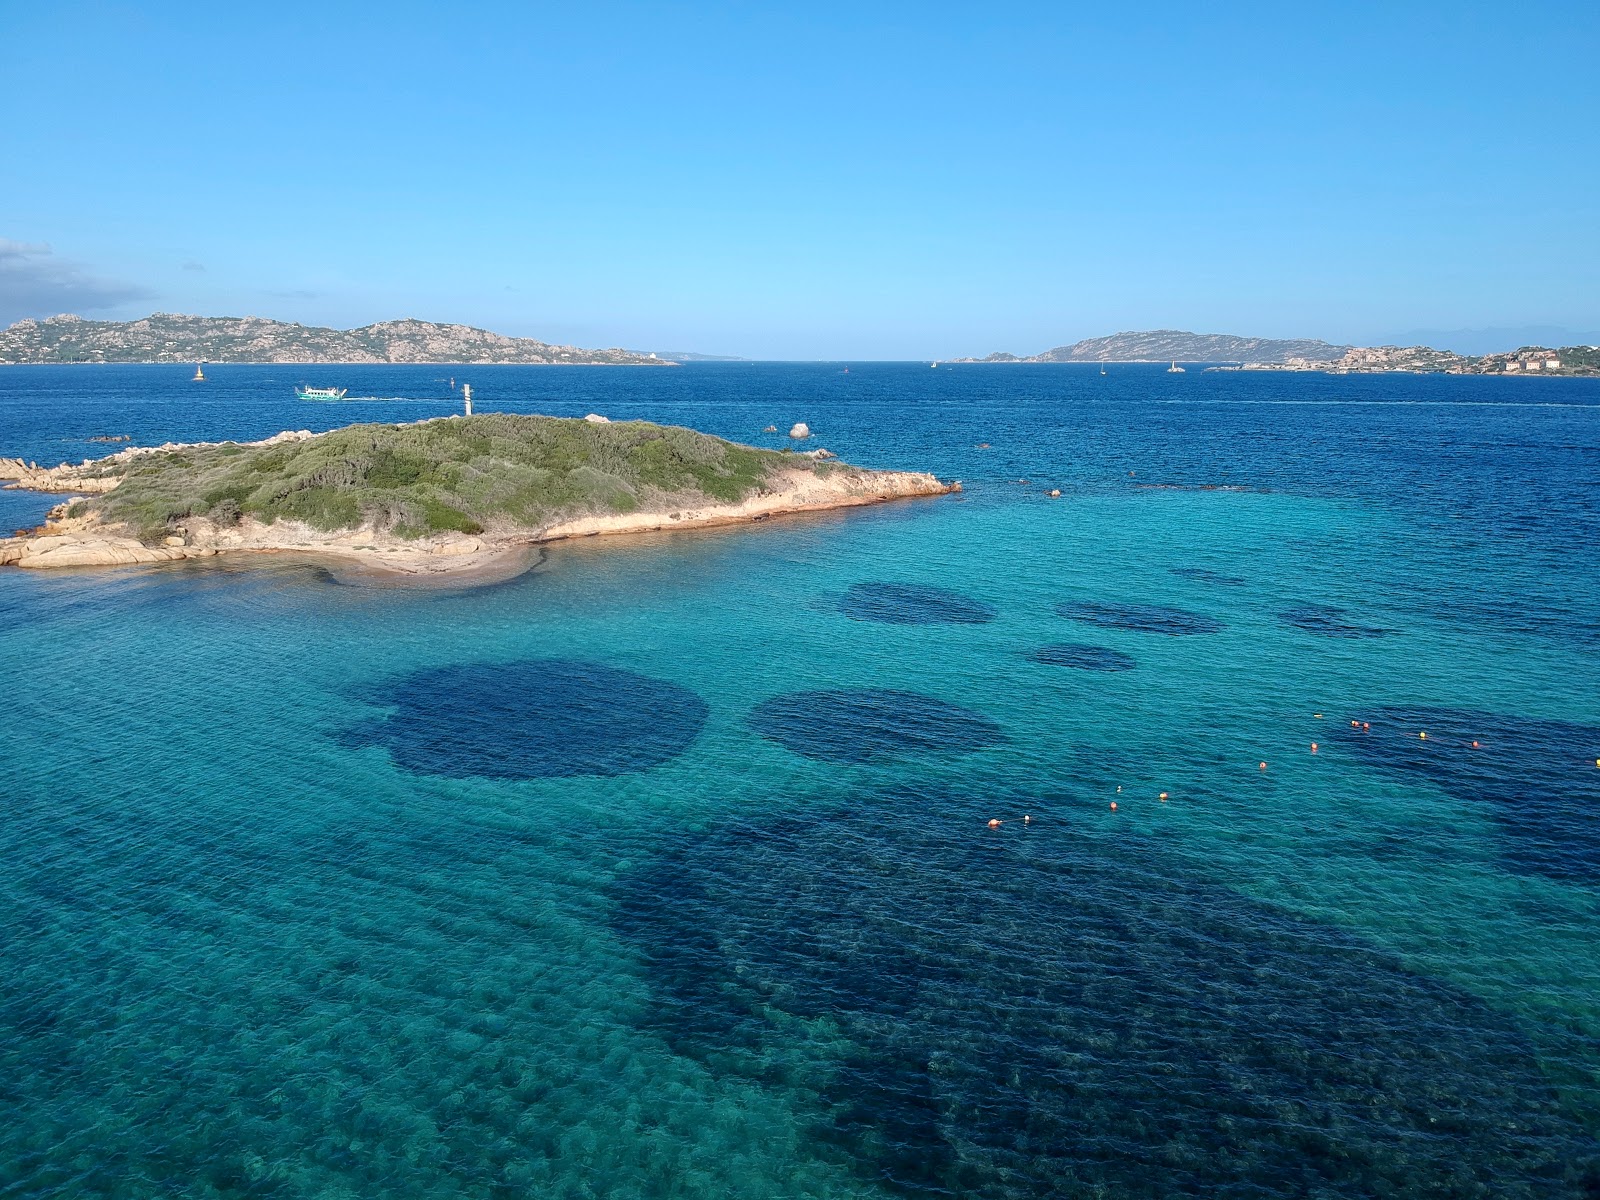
1303	354
1162	345
173	338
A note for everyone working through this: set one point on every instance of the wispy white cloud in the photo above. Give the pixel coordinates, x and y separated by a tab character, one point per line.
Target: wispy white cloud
36	283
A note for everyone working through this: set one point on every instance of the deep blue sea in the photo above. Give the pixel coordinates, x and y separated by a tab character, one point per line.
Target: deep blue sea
666	868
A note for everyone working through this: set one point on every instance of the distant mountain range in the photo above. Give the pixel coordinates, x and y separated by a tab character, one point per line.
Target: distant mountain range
169	337
1164	345
1306	354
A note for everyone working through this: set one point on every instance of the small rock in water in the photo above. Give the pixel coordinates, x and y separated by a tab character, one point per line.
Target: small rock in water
800	430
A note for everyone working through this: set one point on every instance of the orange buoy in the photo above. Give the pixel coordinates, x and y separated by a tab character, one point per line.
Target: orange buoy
1263	766
1113	806
1366	726
1355	724
1163	795
1313	747
1596	761
994	822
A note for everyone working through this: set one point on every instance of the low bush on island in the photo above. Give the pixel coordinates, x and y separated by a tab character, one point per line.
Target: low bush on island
462	474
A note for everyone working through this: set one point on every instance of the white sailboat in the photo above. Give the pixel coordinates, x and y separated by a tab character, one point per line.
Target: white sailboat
1175	369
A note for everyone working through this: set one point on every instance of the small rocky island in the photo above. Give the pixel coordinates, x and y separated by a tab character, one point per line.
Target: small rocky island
443	494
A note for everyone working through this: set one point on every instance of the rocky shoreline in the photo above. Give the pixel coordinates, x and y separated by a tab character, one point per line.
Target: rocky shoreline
73	536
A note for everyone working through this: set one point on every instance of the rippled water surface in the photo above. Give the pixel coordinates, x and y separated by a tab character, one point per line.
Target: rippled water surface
667	867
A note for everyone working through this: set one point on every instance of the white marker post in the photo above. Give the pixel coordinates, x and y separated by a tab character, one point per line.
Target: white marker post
466	396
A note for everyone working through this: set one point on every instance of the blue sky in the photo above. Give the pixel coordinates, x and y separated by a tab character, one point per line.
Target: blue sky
853	180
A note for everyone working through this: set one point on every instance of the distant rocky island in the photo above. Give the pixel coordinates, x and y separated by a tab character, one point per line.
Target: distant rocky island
1299	354
174	338
1164	345
438	495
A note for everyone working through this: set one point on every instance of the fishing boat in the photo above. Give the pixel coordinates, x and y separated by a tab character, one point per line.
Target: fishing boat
199	373
1175	369
311	393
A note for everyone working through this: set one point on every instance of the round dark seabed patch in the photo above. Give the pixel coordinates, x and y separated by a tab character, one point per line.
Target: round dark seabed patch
1141	618
1084	657
1031	1016
534	719
913	604
871	724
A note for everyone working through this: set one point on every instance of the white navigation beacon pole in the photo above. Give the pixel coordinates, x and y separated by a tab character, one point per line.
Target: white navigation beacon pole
466	395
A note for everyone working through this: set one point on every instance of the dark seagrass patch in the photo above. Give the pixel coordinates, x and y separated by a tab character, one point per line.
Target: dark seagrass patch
1538	779
1041	1015
1324	620
1084	657
1140	618
533	719
913	604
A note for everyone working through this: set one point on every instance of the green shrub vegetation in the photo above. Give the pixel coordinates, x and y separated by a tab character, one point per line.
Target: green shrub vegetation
462	474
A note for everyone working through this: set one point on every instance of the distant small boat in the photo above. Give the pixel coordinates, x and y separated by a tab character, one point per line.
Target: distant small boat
1174	369
935	366
311	393
199	373
1102	368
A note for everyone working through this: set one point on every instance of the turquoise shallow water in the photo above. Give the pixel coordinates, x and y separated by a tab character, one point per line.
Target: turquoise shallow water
554	887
